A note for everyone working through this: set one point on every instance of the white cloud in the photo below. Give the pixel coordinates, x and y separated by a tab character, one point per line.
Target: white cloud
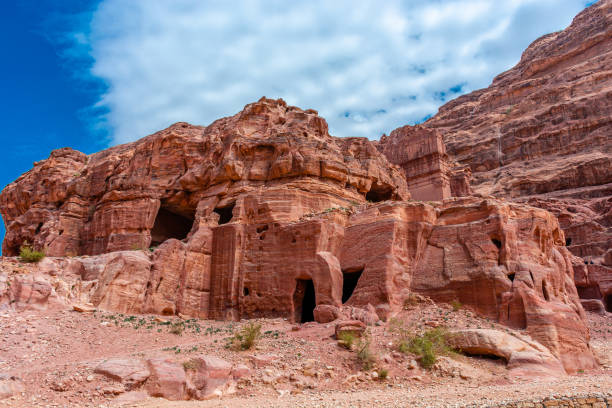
367	67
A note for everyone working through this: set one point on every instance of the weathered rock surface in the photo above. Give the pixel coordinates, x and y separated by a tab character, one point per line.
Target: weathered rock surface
524	357
543	126
10	386
507	261
167	380
541	133
421	153
130	372
198	378
542	130
138	194
264	214
211	377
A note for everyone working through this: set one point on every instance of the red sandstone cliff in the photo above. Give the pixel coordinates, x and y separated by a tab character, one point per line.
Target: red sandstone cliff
542	134
264	214
77	204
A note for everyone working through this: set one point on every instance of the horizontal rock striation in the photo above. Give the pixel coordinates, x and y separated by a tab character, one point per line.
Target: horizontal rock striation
506	261
264	214
541	133
543	126
76	204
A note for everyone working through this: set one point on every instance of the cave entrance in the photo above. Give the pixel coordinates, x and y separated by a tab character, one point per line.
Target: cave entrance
349	283
304	301
379	193
589	292
169	224
608	303
225	213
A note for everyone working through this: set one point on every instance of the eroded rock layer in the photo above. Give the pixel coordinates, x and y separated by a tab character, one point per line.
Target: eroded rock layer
135	195
542	134
545	125
264	214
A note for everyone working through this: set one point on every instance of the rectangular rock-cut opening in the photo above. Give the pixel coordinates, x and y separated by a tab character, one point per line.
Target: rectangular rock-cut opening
168	225
350	278
304	301
589	292
379	193
225	213
608	303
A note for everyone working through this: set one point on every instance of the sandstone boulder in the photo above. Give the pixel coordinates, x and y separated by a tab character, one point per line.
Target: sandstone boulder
27	292
167	380
130	372
594	306
10	386
522	356
210	378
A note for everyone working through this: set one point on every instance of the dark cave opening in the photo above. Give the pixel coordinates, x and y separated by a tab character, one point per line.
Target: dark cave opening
496	242
608	303
349	283
568	241
511	276
588	292
304	301
378	194
225	213
168	225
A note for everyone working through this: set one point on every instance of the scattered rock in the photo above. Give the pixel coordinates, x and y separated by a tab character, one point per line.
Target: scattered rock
130	372
10	386
86	308
167	380
353	327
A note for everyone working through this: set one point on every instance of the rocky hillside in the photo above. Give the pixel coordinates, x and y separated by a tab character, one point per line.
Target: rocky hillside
543	130
76	204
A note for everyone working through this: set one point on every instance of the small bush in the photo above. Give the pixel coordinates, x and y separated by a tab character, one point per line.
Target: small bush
346	340
248	335
28	254
383	373
427	346
457	305
364	354
192	364
177	328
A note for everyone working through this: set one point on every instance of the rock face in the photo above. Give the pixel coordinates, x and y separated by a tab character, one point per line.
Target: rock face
543	126
138	194
524	357
541	133
430	174
422	155
264	214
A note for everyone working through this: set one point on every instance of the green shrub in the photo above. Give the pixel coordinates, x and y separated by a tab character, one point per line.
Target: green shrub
383	373
364	354
28	254
177	328
457	305
428	346
248	335
346	340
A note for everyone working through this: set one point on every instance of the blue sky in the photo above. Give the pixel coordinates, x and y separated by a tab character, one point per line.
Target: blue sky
93	73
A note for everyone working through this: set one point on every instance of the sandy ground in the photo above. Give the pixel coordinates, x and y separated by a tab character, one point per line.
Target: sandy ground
54	352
